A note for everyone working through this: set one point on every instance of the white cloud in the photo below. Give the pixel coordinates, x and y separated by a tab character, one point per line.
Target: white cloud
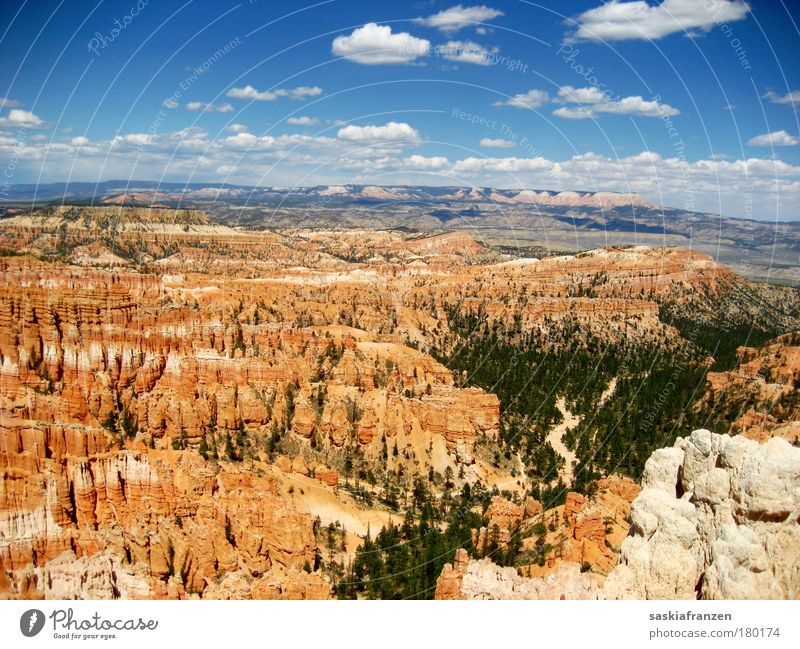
466	52
22	119
423	162
792	97
249	92
531	100
375	44
501	165
301	92
5	102
236	128
617	20
636	106
135	139
170	103
776	138
573	112
455	18
210	108
590	95
242	140
302	121
593	102
497	143
711	184
391	132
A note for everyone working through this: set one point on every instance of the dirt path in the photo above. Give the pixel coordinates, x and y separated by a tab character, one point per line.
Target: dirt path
555	438
556	435
608	391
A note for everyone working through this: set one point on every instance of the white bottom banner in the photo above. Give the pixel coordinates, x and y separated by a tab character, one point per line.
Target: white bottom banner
400	624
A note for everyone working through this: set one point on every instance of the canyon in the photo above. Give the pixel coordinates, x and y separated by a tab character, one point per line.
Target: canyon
194	409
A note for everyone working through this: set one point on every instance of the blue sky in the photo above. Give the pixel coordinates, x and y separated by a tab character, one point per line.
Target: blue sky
692	103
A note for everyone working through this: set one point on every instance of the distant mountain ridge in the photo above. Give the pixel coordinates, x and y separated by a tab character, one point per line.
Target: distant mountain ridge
546	221
135	191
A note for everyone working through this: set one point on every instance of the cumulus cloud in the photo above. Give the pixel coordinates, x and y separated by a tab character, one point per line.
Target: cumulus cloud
423	162
775	138
5	102
209	108
249	92
18	118
243	140
466	52
134	139
170	103
591	102
502	165
390	132
302	121
383	149
573	112
301	92
792	97
350	143
636	106
590	95
639	19
498	143
455	18
375	44
531	100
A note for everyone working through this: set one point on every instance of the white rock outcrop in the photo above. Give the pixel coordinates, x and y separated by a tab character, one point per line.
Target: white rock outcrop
486	580
718	518
101	576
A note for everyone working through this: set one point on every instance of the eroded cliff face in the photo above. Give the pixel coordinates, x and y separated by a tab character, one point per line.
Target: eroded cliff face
761	394
572	199
718	517
384	281
115	410
565	551
96	348
148	441
147	523
586	531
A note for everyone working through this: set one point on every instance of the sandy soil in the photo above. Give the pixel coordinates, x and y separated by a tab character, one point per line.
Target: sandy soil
555	437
